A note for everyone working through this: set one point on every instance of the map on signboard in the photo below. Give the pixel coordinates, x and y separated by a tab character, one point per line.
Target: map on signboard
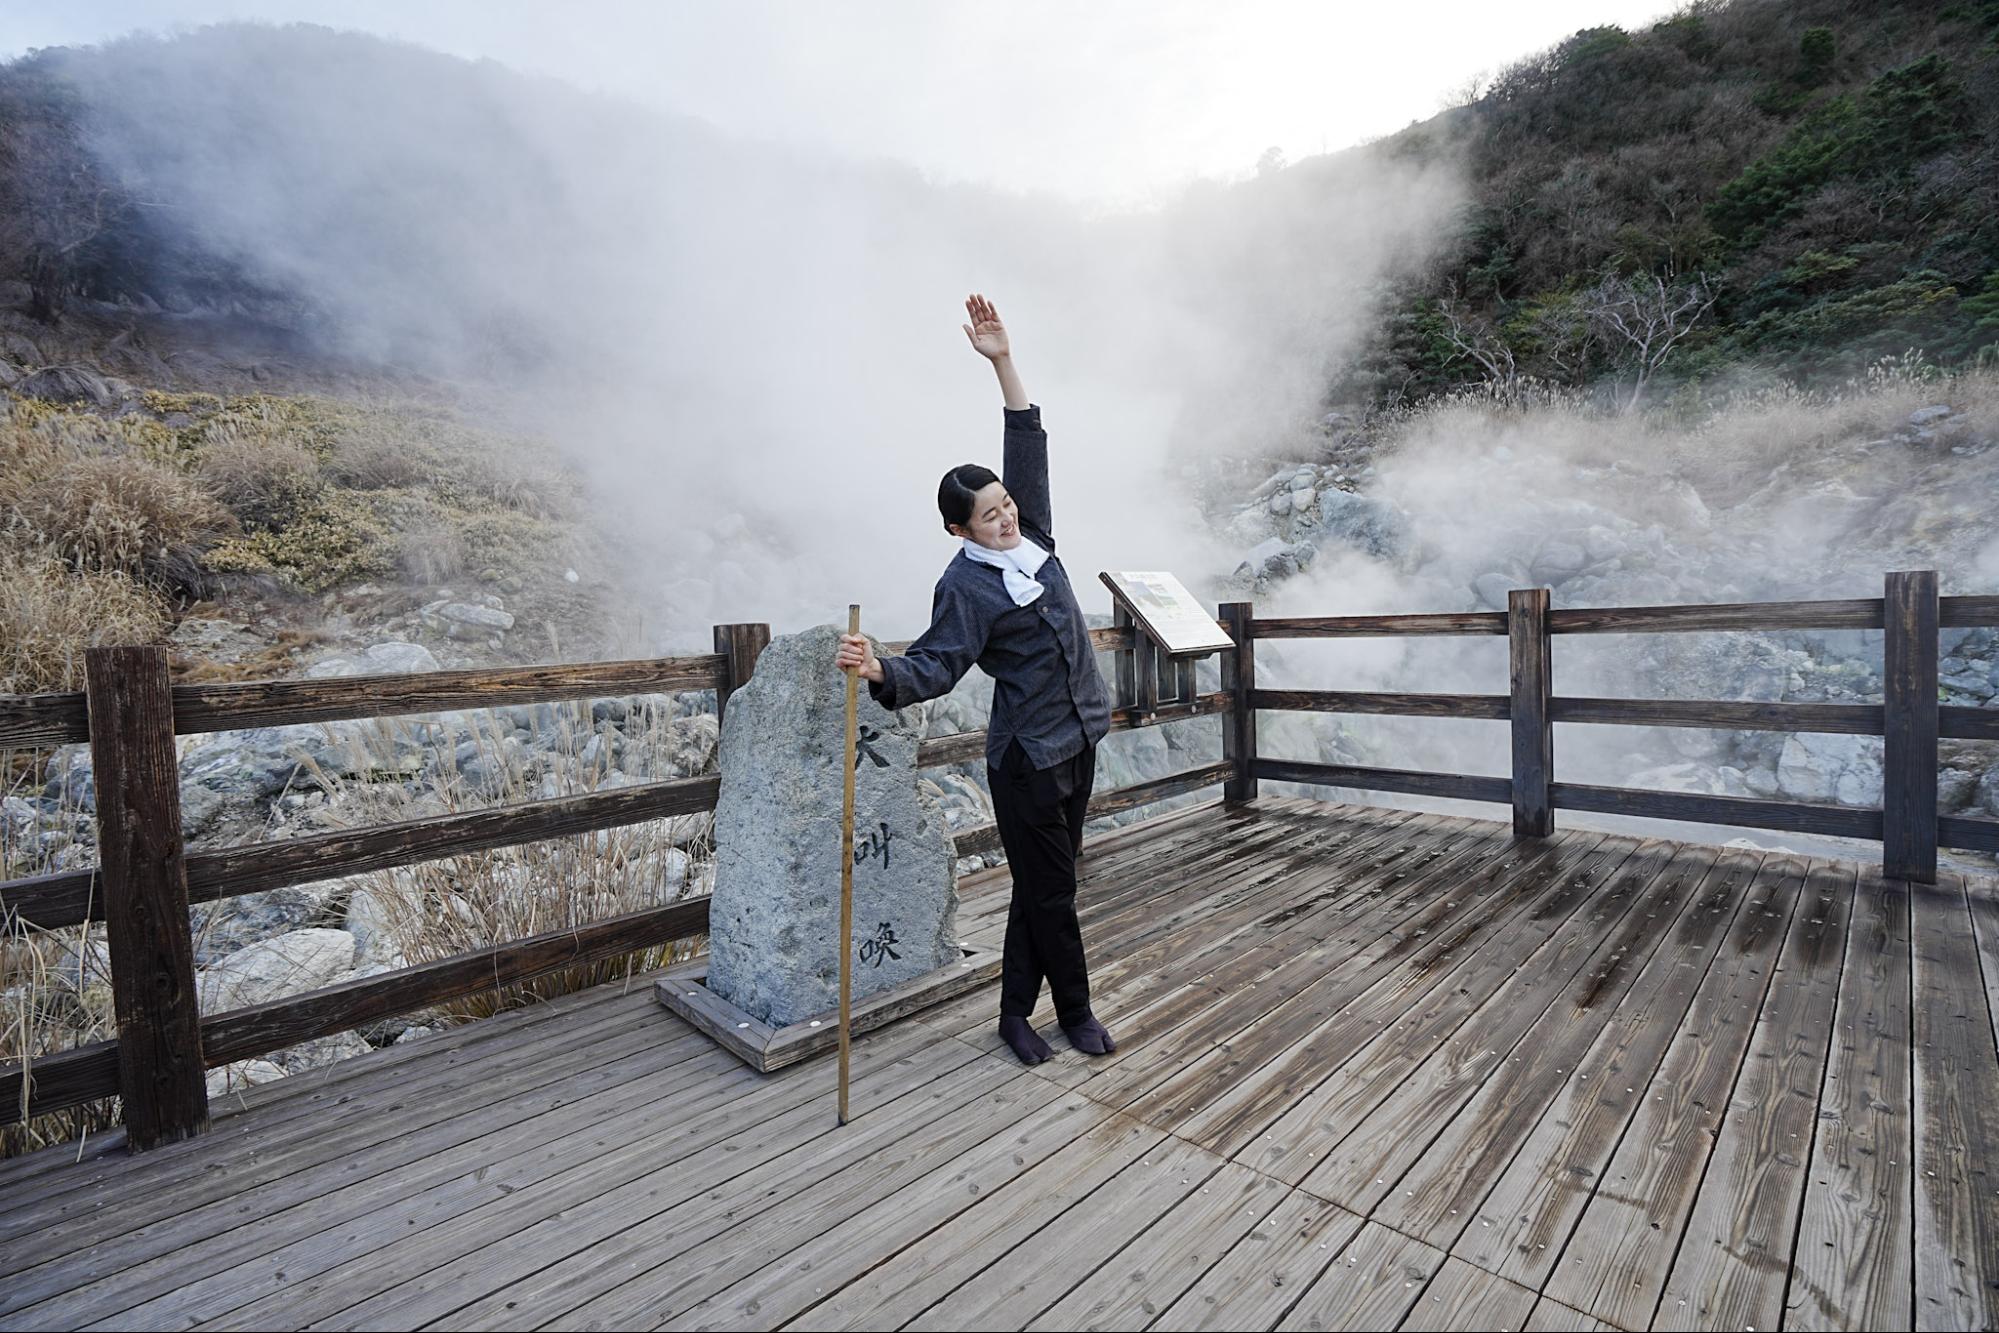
1165	609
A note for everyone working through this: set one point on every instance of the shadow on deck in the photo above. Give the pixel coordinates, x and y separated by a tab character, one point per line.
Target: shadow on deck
1377	1069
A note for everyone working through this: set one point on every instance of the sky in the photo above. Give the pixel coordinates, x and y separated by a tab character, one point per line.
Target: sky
1113	104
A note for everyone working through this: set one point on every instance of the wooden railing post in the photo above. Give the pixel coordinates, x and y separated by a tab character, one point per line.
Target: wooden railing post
1531	658
141	865
1909	730
742	645
1125	659
1238	679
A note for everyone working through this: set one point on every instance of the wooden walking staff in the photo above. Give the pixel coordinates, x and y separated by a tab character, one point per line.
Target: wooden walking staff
847	866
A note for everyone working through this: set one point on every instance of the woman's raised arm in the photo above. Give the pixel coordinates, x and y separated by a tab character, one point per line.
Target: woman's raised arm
989	339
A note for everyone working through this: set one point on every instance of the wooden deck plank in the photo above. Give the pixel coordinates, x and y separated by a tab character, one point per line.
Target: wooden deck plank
789	1283
1372	1284
1464	1297
1212	903
1116	874
1554	1317
1578	1046
709	1141
310	1109
1529	1214
1110	883
469	1254
1255	1282
896	1292
1616	1259
1224	1113
1436	915
1854	1267
80	1220
101	1155
1442	1190
1171	1255
1168	1005
1982	892
1332	912
1117	903
1044	1267
1300	1141
323	1230
1735	1254
1957	1116
1335	992
152	1261
1475	1032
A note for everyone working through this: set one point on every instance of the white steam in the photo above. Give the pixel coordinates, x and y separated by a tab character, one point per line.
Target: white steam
754	352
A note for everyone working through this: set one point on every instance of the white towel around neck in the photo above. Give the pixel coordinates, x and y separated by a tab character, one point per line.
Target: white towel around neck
1017	566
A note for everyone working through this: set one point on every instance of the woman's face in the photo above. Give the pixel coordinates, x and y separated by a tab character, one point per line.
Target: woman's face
994	521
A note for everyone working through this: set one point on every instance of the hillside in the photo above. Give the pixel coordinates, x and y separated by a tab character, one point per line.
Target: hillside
1787	191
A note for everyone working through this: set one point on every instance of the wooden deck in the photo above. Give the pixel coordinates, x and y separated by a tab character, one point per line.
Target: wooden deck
1376	1069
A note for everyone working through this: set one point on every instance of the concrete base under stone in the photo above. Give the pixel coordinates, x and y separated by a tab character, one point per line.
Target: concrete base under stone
684	990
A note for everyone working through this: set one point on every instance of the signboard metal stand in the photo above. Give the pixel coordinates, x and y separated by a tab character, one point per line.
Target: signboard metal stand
1170	633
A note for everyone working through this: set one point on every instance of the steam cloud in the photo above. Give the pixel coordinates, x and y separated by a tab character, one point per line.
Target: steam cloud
753	352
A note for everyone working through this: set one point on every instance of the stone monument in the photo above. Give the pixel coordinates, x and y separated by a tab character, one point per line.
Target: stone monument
774	920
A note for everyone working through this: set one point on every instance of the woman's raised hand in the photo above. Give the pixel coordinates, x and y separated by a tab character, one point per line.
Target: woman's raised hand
988	335
856	651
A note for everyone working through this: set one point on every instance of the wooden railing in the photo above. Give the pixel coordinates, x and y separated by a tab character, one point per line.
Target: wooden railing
143	884
144	881
1910	719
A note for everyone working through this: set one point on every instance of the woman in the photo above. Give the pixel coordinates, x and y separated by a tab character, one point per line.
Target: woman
1005	603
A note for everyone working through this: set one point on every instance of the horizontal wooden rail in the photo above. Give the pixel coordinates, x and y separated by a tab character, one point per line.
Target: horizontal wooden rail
1843	719
1740	811
270	703
61	900
964	746
36	720
244	1033
90	1072
1855	613
1958	722
237	870
1363	627
65	1078
1968	612
72	897
985	837
1455	786
1967	834
47	902
1490	706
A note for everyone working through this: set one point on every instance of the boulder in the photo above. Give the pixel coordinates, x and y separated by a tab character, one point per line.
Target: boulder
774	918
227	925
240	1074
287	964
72	384
1372	526
392	658
1845	769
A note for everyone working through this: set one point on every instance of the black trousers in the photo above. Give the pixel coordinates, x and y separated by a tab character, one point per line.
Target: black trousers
1040	817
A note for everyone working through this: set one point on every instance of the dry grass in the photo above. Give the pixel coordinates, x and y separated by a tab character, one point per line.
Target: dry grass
439	908
104	512
264	481
49	613
55	985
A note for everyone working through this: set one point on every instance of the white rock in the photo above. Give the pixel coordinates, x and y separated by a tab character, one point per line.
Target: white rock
287	964
233	1077
1846	769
